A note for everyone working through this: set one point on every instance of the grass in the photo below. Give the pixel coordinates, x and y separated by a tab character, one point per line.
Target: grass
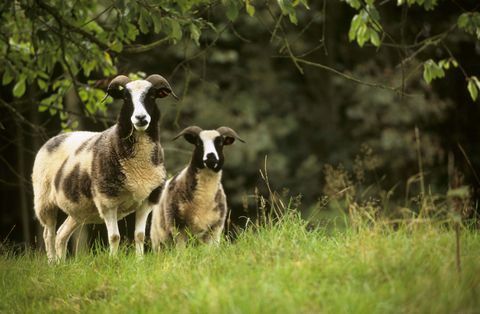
281	268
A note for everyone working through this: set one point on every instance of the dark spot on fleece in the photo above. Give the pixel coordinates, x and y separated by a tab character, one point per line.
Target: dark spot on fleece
82	147
157	155
191	183
71	184
86	185
220	201
106	168
95	143
154	197
178	220
55	142
217	224
126	147
172	212
58	176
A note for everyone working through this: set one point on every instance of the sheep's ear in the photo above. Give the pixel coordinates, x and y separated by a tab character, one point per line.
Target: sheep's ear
116	88
229	135
161	85
190	134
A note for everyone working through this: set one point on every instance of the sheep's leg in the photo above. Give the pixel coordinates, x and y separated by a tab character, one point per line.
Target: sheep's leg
47	215
110	218
213	236
63	235
180	238
49	239
141	216
48	218
160	236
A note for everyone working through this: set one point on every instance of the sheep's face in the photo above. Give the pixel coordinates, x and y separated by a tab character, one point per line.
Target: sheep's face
208	152
140	96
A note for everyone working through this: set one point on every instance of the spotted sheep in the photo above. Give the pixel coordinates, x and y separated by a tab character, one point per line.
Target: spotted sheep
193	202
100	177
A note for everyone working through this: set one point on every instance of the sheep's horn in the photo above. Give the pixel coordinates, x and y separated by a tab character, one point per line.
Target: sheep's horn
226	131
120	80
114	86
192	130
160	83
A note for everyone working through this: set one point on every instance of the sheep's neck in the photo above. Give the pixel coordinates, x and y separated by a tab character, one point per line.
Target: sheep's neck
125	129
203	182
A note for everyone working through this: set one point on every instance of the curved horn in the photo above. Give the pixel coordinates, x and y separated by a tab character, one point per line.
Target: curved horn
162	85
226	131
120	80
191	130
113	88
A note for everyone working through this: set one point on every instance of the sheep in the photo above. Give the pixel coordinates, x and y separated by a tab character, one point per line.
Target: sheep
193	201
100	177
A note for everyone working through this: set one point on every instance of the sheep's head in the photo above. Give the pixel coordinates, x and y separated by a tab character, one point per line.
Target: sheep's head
209	144
139	97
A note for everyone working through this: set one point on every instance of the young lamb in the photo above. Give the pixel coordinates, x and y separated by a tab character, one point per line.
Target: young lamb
193	201
97	177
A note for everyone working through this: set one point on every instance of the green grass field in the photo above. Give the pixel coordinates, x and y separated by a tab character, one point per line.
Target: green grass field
281	268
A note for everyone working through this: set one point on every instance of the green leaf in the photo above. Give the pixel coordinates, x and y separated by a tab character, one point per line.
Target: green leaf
157	22
356	4
176	30
427	73
20	87
250	8
374	38
432	70
305	4
117	46
107	57
462	21
7	77
472	89
42	108
283	6
477	82
232	10
143	23
356	22
195	33
42	85
293	18
132	31
362	35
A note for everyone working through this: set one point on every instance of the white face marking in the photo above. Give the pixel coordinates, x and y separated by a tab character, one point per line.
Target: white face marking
207	138
138	90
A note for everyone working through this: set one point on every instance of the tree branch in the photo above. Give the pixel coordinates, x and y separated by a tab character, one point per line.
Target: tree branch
22	118
53	12
352	78
133	49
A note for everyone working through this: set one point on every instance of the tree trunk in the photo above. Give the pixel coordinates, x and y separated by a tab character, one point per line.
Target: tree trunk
23	189
37	141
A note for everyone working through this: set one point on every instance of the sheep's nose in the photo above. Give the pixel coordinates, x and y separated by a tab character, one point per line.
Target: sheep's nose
211	161
211	156
141	117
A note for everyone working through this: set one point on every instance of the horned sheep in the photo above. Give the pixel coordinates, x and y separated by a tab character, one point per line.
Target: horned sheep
100	177
193	202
